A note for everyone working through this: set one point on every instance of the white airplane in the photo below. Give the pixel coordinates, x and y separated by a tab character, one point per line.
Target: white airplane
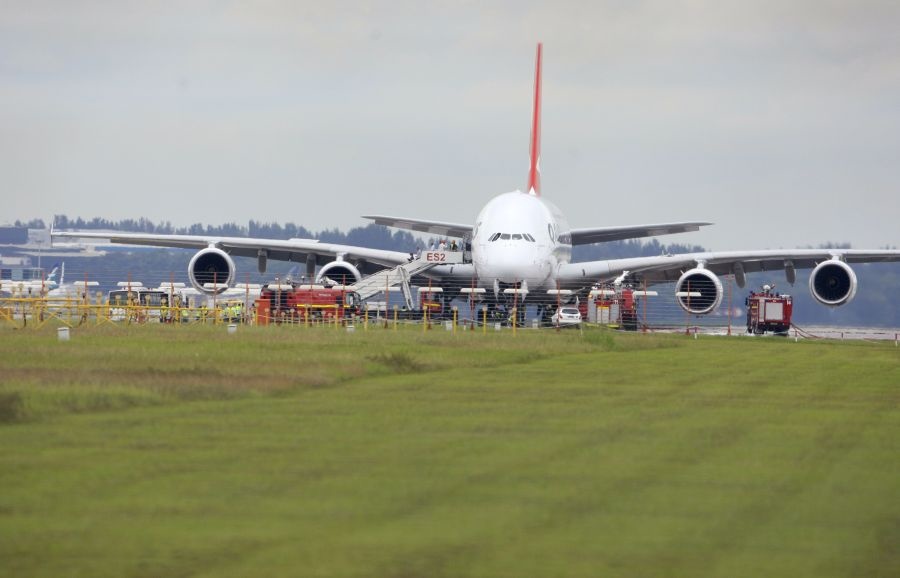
33	287
49	288
50	281
63	290
522	242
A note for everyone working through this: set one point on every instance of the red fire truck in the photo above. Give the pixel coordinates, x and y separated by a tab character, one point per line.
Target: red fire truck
768	311
613	305
301	303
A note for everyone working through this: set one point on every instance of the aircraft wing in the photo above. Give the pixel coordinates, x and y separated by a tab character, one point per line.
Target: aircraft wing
435	227
604	234
670	267
297	250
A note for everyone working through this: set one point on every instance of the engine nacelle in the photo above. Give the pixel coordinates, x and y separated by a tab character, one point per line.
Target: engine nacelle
700	281
340	272
833	283
211	265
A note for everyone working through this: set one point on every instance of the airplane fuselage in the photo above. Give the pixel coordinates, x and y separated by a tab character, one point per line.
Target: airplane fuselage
520	237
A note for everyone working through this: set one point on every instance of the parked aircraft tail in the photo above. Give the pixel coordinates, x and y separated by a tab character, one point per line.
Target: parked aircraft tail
51	277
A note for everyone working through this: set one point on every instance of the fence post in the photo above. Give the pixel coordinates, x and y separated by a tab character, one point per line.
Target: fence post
730	278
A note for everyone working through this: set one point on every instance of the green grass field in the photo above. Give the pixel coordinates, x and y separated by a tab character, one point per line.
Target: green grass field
183	451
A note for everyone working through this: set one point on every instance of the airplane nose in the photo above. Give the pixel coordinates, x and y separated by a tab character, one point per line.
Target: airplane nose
512	264
505	265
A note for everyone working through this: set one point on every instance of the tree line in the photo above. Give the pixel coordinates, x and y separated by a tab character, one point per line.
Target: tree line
375	236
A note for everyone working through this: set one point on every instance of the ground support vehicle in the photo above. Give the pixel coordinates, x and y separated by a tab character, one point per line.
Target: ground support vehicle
769	312
566	316
615	305
293	303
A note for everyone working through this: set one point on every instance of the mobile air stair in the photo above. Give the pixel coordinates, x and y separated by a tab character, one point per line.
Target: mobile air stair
401	274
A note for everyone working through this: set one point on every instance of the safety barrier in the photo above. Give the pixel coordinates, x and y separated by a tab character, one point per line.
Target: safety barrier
36	312
459	306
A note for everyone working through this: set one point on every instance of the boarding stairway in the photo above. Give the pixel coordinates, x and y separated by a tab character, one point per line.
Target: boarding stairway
401	274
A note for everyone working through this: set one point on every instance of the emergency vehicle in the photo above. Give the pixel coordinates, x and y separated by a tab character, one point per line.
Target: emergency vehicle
290	302
768	311
615	305
431	302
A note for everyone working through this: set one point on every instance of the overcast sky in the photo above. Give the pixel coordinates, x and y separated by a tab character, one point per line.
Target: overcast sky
777	120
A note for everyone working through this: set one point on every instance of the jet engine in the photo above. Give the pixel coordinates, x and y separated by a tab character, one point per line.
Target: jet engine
211	265
833	283
340	272
700	281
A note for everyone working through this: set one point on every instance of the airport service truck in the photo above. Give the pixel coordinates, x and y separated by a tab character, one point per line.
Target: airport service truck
768	311
290	302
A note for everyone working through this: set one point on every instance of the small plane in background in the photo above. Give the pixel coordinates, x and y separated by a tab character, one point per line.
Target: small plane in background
54	288
48	287
63	290
33	287
521	243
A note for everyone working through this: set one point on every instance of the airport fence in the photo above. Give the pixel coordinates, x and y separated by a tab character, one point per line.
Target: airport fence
155	296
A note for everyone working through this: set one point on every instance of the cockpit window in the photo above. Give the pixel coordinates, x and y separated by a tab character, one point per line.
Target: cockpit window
511	236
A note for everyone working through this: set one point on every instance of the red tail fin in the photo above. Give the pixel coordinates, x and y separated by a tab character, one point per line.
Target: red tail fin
534	169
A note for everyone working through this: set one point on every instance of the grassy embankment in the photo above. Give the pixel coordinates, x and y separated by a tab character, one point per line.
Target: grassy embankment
155	451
